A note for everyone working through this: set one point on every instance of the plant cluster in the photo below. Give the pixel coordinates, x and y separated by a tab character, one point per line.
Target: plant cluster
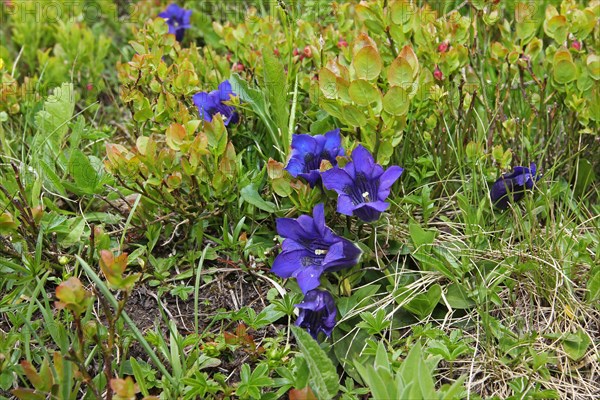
205	199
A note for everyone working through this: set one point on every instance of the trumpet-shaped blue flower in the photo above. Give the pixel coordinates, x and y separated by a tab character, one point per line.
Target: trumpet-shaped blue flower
178	20
308	152
311	248
512	186
362	185
211	103
317	313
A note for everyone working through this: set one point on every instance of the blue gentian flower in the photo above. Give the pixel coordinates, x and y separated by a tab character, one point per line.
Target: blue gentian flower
178	20
211	103
362	185
311	248
317	313
308	152
512	186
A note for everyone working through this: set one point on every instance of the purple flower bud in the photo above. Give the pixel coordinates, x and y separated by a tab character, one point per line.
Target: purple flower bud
512	186
317	313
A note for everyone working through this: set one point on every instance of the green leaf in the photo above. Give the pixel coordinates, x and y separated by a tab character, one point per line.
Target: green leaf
457	297
419	236
593	286
53	118
250	194
576	344
396	101
593	65
367	63
364	93
422	305
353	116
323	375
52	178
256	100
565	71
85	176
275	85
400	73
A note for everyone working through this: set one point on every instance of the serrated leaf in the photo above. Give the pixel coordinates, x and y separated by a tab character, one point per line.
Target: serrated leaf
323	376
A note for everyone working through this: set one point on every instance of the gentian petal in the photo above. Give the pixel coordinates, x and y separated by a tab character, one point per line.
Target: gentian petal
336	179
225	91
319	218
343	254
387	179
370	212
363	160
289	228
304	143
295	166
345	205
333	144
309	277
289	263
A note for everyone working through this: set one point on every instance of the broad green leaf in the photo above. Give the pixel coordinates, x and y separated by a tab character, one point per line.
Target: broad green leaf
323	375
400	73
576	344
408	54
85	176
364	93
593	65
593	286
400	12
457	297
175	136
396	101
422	305
353	116
557	28
52	120
419	236
565	71
251	195
367	63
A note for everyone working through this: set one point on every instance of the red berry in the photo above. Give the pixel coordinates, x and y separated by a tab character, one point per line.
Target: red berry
296	52
239	67
276	52
342	43
307	51
443	47
89	86
437	73
576	45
